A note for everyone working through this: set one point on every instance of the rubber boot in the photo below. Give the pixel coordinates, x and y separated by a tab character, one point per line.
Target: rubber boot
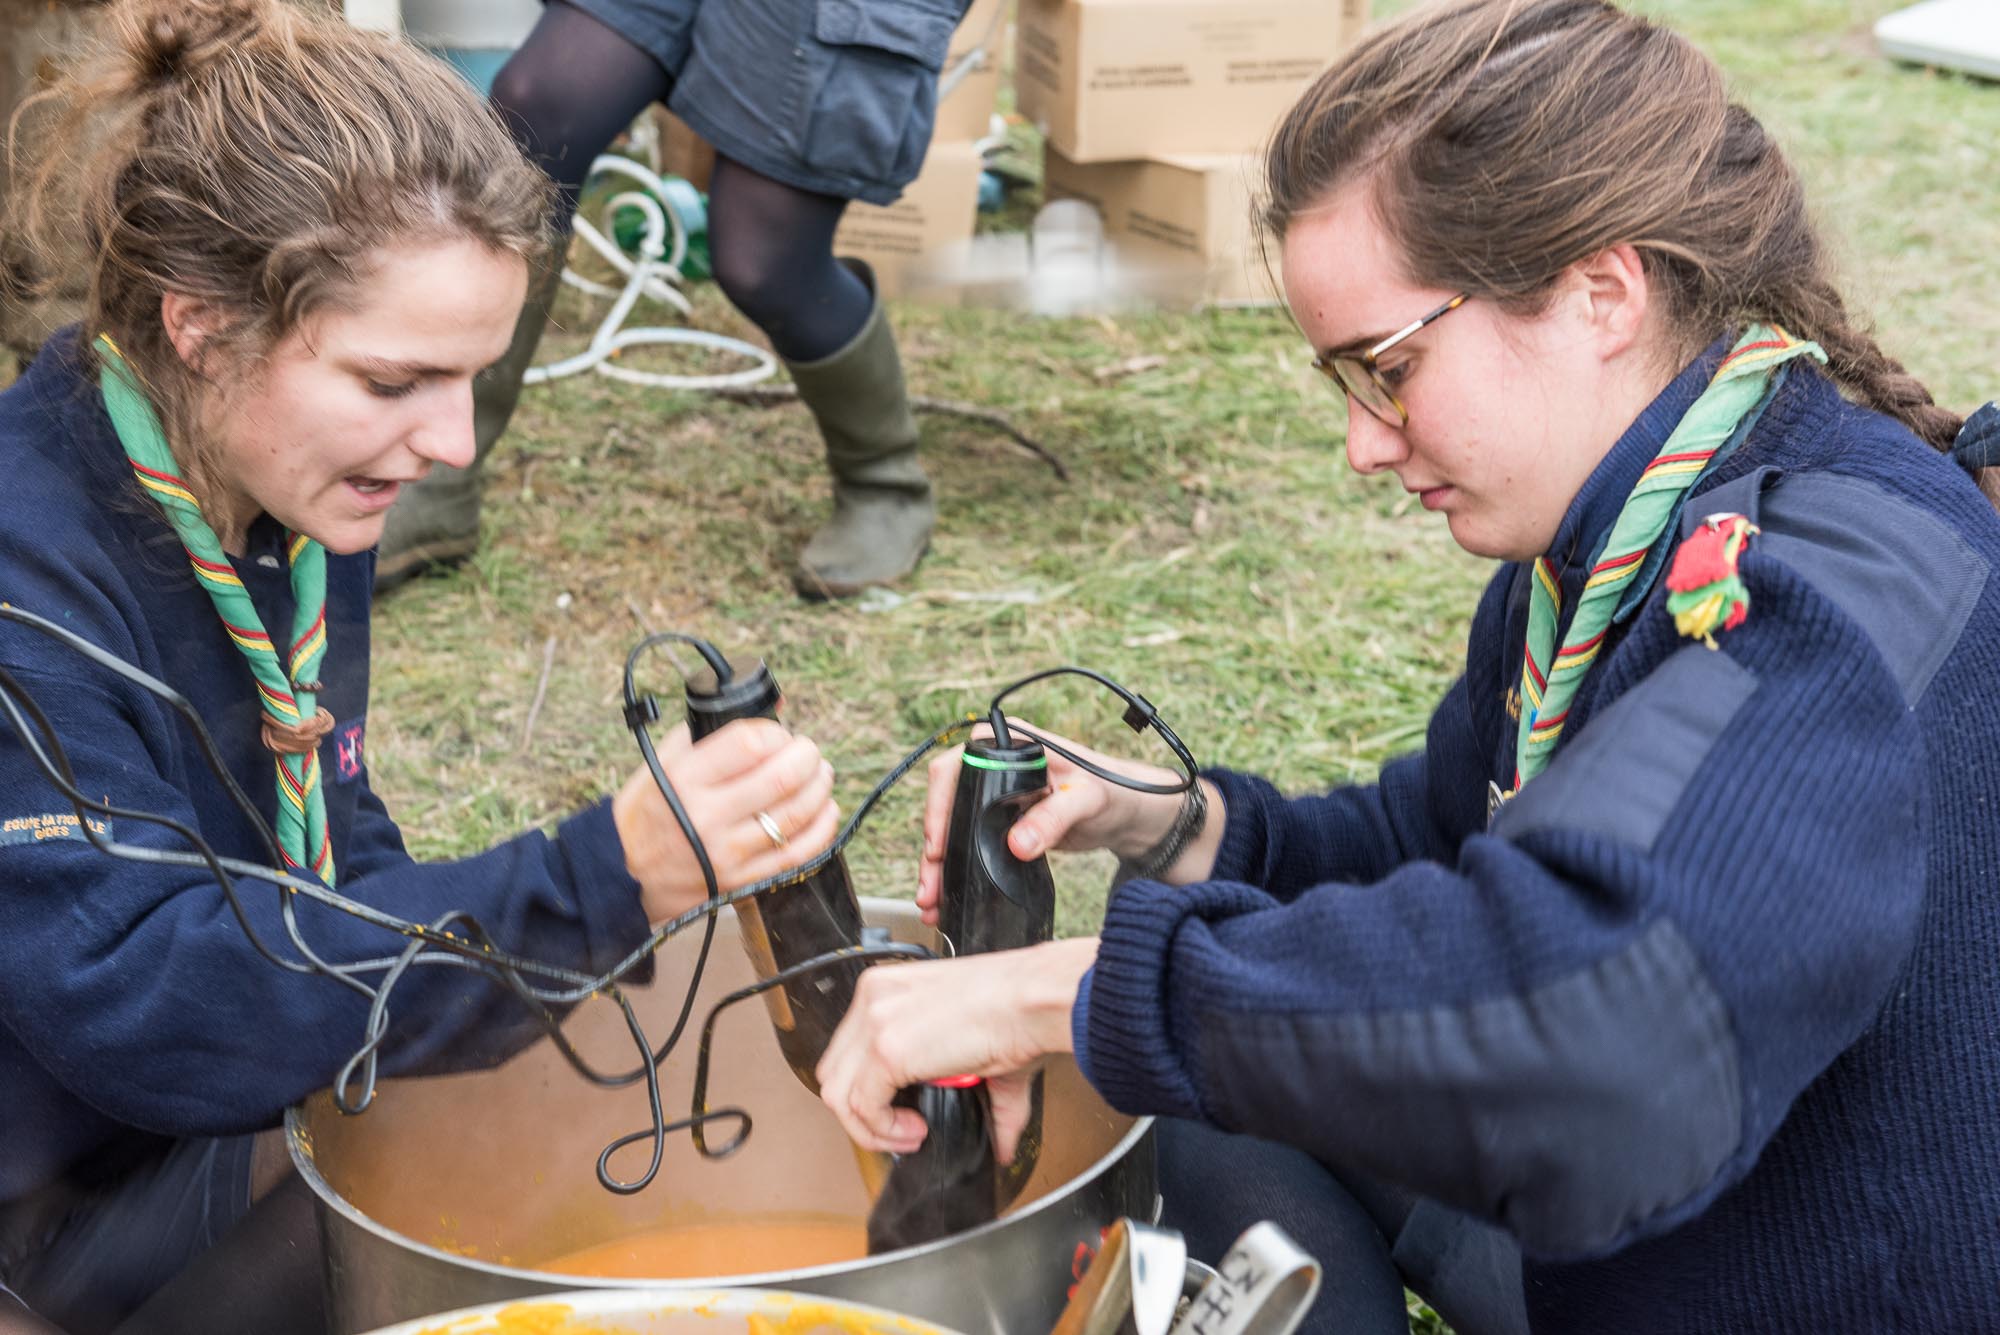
436	522
882	508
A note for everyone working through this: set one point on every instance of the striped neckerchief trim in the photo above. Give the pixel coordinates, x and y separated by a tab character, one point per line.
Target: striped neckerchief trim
1550	676
287	686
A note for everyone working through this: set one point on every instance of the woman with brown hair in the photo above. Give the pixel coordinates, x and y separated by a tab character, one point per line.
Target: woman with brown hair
304	242
1670	954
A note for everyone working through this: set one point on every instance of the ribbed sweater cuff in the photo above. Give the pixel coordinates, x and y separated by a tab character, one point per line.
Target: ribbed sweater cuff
1241	855
1079	1027
1122	1025
592	865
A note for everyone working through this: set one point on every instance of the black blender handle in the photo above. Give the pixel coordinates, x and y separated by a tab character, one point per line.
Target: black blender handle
794	923
988	899
713	702
1025	884
946	1185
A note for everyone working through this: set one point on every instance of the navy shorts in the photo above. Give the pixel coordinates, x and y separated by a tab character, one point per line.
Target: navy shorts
833	96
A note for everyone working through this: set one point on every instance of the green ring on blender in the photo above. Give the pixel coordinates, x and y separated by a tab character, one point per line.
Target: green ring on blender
981	762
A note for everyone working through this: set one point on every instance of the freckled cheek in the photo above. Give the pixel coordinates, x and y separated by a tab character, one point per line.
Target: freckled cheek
1464	460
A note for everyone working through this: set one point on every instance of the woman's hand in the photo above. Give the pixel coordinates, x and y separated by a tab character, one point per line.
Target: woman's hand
747	768
990	1015
1080	813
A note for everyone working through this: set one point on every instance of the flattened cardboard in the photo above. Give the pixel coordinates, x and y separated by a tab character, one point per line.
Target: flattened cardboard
937	208
683	153
1187	211
1117	79
966	112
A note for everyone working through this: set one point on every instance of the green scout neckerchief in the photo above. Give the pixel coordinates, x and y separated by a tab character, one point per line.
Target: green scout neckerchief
1546	695
293	723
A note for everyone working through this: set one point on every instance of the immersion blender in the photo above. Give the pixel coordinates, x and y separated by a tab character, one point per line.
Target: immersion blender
945	1186
988	899
794	923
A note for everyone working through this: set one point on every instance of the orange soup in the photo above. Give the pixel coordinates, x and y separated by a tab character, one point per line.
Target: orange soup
697	1251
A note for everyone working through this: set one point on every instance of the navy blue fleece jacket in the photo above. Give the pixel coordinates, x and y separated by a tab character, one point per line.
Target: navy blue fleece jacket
131	1003
1708	1016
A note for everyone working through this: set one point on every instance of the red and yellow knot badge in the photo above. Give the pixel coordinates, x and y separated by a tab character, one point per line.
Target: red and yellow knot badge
1704	592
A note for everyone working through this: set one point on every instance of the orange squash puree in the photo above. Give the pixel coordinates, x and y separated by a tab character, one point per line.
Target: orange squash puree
803	1317
696	1251
525	1319
783	1316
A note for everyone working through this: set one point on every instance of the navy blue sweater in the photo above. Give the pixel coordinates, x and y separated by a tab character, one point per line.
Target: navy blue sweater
131	1003
1709	1016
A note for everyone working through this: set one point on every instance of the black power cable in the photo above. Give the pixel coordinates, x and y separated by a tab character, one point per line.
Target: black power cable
457	939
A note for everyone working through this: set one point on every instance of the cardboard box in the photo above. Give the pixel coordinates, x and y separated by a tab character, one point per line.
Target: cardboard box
683	153
966	112
1184	220
936	209
1110	80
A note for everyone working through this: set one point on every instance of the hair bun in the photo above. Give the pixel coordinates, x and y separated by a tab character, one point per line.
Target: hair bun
170	40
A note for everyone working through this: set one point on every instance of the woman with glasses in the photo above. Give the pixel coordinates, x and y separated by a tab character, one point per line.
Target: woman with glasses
1655	992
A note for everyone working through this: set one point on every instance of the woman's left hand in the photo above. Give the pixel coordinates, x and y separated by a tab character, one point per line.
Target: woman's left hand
988	1015
759	797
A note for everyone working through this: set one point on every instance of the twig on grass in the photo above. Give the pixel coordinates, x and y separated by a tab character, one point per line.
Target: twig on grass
770	396
646	628
541	693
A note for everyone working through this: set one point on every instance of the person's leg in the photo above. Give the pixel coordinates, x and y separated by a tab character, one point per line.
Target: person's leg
265	1274
100	1252
1469	1272
16	1319
572	88
772	246
1215	1185
574	85
773	256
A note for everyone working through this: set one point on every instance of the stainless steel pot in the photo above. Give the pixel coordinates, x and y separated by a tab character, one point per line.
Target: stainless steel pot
450	1191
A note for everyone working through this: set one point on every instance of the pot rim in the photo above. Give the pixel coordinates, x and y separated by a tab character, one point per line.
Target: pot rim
874	909
297	1141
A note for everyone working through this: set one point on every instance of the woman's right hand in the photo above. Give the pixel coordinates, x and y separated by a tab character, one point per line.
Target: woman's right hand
1080	813
725	781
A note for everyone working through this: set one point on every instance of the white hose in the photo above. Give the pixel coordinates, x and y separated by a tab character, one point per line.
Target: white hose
650	276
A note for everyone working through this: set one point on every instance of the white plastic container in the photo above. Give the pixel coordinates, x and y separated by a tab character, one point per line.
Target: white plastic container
477	36
380	15
1951	34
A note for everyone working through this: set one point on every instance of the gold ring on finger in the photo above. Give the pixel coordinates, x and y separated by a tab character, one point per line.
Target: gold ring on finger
772	831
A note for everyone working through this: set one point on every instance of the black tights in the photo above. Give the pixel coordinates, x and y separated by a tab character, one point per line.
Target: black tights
1369	1238
264	1274
575	84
